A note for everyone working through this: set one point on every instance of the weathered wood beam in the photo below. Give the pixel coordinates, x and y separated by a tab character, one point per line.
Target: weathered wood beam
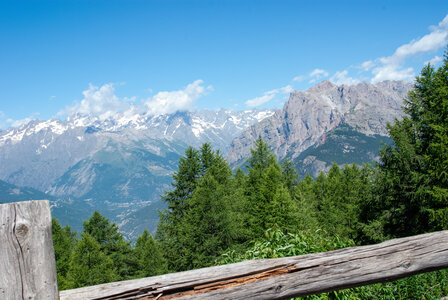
27	263
287	277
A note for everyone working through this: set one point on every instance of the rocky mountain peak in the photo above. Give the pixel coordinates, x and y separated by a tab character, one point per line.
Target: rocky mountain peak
322	86
308	115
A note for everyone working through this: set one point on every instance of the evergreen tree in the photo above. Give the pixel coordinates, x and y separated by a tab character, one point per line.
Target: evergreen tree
335	198
207	228
169	230
264	191
149	256
411	194
307	204
89	265
64	240
206	158
289	174
103	231
261	157
184	183
283	211
112	244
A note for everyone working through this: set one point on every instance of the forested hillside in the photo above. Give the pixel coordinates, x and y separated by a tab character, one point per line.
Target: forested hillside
217	216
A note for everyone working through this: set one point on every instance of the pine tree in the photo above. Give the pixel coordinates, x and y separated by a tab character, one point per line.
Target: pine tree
64	240
112	244
102	230
149	256
411	194
89	265
289	174
206	158
169	230
337	197
207	227
184	183
264	191
307	204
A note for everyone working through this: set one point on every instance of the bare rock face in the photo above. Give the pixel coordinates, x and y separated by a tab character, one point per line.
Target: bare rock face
309	114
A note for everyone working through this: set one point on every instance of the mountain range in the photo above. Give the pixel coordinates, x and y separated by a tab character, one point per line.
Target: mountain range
121	165
116	166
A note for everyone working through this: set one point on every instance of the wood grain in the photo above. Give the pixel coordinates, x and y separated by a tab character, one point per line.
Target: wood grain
287	277
27	263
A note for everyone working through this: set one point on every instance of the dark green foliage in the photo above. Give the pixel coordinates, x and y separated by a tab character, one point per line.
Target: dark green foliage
149	256
103	231
168	229
289	174
411	188
201	223
112	243
269	191
184	183
208	228
102	254
64	241
332	201
89	265
307	204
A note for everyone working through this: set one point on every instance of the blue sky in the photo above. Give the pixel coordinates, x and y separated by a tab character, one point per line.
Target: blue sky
104	56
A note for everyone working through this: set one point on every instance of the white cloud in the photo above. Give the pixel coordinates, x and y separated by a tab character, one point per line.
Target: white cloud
434	61
98	101
318	73
257	101
390	67
170	102
367	65
314	76
102	102
392	72
299	78
268	96
342	78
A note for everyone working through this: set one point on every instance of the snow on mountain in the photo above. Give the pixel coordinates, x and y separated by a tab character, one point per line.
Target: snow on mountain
37	153
115	165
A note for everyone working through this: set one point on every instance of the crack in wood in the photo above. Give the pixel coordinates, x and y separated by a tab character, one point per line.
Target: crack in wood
20	257
153	293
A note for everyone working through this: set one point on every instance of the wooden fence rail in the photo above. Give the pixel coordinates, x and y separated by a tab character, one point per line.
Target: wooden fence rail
257	279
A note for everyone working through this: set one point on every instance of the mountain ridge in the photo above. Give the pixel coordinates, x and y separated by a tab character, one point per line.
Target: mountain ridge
308	115
56	145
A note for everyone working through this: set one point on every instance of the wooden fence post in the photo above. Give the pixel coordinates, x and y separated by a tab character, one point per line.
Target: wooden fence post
27	263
